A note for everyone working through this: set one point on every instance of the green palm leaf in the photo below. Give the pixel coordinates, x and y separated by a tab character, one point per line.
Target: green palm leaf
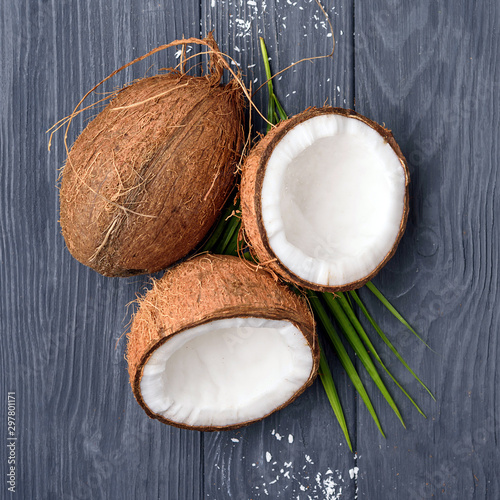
363	308
342	299
353	339
392	309
344	358
327	380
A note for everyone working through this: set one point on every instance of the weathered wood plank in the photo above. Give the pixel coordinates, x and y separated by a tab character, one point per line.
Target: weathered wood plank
258	461
81	434
430	72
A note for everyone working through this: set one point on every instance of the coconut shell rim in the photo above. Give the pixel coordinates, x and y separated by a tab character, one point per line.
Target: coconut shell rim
276	135
314	348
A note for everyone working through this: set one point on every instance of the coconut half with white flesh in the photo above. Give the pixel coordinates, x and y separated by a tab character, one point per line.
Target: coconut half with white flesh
324	199
216	345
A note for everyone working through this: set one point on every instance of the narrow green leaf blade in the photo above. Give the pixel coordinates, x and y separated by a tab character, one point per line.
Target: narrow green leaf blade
270	105
360	350
389	344
232	246
270	115
232	225
279	107
267	67
346	306
327	380
343	356
392	309
219	230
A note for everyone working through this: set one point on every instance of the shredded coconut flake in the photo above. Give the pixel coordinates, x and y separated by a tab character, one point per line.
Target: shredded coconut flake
353	473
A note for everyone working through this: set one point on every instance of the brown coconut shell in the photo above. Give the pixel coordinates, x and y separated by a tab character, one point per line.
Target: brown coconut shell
203	289
146	179
253	173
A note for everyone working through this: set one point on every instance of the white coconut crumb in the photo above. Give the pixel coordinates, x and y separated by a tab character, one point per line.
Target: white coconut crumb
213	3
255	80
353	473
251	2
328	79
328	35
338	88
235	440
251	66
237	49
329	489
178	54
301	479
341	32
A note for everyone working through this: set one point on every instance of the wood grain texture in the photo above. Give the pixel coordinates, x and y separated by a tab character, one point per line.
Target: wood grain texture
292	31
431	72
81	435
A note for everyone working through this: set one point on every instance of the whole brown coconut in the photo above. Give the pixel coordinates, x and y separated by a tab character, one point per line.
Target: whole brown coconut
324	198
147	178
216	344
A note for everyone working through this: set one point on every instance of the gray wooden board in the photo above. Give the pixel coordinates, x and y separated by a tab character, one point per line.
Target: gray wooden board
430	71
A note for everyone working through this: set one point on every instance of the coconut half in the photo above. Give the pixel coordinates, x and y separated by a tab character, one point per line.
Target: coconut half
217	345
324	199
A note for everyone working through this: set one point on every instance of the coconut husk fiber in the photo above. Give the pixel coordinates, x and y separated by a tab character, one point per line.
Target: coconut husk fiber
147	178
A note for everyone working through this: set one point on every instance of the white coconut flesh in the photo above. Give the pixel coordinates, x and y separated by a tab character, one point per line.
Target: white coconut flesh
226	372
332	199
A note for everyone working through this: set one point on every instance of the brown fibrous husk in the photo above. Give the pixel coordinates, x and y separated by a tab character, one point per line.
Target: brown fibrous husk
253	172
207	288
147	178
